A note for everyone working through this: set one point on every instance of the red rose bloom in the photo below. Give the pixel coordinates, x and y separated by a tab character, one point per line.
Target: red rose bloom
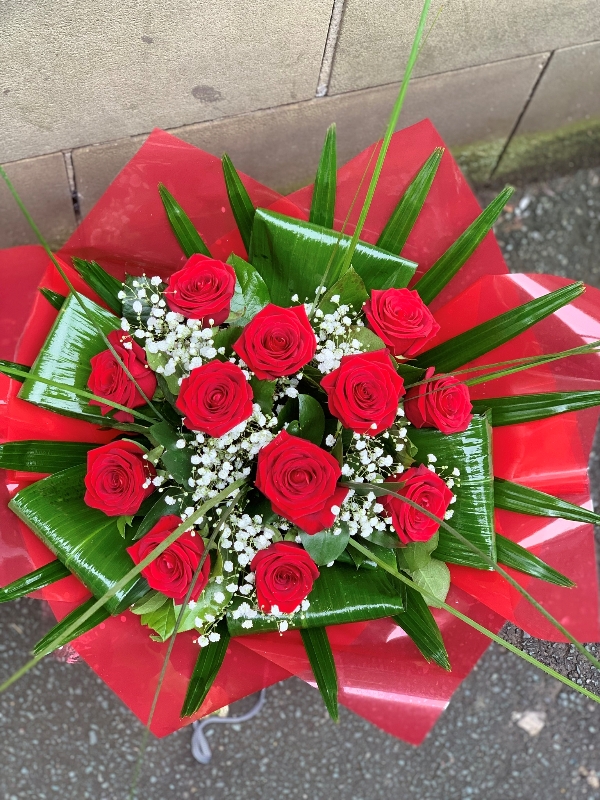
285	574
277	342
442	403
300	480
428	490
202	289
109	380
115	478
364	392
215	398
401	319
172	571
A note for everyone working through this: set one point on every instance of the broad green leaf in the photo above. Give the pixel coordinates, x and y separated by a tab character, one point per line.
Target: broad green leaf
133	285
514	497
324	547
263	392
160	359
320	656
311	420
322	207
38	579
446	267
418	622
161	620
341	594
65	358
383	538
123	522
55	636
251	292
226	337
84	539
293	256
43	456
239	200
176	459
161	508
14	365
513	555
186	234
207	666
149	603
415	555
404	216
435	578
56	300
98	279
530	407
471	453
410	373
350	289
482	338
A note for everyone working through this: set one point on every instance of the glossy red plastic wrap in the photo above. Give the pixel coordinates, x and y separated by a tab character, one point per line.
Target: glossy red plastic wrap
382	676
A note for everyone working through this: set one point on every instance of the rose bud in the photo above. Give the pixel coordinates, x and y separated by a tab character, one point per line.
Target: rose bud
118	478
172	571
108	379
215	398
429	491
300	479
364	392
202	290
285	574
401	319
443	403
277	342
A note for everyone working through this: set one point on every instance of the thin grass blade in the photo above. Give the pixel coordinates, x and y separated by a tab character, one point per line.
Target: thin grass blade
322	208
318	650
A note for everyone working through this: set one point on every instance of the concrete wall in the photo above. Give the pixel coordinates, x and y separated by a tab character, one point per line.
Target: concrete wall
514	87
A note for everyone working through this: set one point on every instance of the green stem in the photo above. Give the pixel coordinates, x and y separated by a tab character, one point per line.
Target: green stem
471	622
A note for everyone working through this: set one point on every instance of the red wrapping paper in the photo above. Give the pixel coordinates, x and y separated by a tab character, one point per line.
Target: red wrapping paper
382	676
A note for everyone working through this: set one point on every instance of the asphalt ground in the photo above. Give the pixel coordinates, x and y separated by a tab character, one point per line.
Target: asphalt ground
510	731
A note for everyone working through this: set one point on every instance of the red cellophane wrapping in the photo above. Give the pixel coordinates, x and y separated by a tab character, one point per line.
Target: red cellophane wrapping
382	675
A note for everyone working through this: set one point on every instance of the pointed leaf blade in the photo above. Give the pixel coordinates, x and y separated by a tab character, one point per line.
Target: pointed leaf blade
38	579
531	407
186	234
43	456
55	299
207	667
419	623
101	282
523	500
322	207
318	650
239	199
513	555
55	637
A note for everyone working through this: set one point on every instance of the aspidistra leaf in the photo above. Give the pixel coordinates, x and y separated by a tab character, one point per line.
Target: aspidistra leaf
186	234
207	667
322	207
446	267
320	656
524	500
530	407
404	216
513	555
239	200
43	456
479	340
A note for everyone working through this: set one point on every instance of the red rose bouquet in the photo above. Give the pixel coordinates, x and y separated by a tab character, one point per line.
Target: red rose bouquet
262	447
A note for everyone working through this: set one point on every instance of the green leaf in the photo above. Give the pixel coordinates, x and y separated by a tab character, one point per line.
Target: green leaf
410	373
161	509
324	547
404	216
263	392
55	637
322	207
369	340
14	365
186	234
160	359
311	420
513	555
318	650
415	555
43	456
38	579
479	340
86	541
340	594
435	578
161	620
350	289
213	602
471	453
149	602
207	667
292	256
446	267
123	522
98	279
530	407
514	497
239	200
56	300
226	337
419	623
251	292
176	460
65	358
383	538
